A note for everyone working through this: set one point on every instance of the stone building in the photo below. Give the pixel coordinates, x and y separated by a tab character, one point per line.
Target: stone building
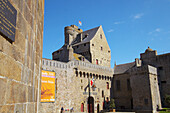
85	55
138	86
20	59
72	79
142	85
90	46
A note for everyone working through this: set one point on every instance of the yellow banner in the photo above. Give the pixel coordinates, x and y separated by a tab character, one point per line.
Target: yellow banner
48	86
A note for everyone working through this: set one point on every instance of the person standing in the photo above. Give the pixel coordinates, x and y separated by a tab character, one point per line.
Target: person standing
62	109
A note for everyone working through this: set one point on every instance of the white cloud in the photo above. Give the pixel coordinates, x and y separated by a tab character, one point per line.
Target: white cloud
138	16
111	30
121	22
157	30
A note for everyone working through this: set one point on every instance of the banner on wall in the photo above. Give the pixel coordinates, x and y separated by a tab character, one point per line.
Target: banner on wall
48	86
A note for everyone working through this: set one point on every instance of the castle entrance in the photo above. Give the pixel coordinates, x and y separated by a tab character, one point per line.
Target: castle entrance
98	108
91	100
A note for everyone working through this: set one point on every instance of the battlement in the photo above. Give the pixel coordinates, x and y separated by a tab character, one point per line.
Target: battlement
144	69
73	64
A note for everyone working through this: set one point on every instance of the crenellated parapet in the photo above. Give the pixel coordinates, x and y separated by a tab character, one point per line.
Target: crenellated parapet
146	69
71	64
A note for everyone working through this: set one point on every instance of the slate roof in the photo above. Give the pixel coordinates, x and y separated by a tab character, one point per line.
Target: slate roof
122	68
91	33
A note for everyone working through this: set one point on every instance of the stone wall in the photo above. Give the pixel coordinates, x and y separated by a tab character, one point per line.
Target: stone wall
100	49
123	95
162	63
72	78
145	90
142	94
20	61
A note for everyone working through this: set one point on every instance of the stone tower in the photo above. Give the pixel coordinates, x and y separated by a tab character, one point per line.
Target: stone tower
89	46
71	33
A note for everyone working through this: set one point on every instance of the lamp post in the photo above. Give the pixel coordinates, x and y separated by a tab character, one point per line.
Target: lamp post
88	86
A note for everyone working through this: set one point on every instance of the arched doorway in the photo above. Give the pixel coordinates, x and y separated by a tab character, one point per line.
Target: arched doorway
98	108
91	101
82	107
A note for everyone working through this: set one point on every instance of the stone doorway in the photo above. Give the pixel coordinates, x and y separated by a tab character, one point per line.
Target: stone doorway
91	100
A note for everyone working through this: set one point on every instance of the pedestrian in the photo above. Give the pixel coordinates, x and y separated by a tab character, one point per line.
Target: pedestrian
72	110
62	109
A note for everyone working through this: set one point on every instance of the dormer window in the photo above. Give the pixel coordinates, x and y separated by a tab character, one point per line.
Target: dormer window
101	36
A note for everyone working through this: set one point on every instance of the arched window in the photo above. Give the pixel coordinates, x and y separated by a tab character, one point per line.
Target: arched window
107	85
102	93
80	74
97	61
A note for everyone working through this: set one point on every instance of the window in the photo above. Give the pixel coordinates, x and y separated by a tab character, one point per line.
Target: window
118	85
163	81
128	84
102	48
102	93
100	36
81	87
107	99
107	85
108	51
81	81
92	44
84	44
82	107
86	35
77	46
97	61
160	68
146	101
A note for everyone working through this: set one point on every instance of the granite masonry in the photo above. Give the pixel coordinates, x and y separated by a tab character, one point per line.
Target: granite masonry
20	60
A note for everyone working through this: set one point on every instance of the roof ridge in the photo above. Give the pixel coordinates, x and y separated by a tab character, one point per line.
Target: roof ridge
91	29
126	63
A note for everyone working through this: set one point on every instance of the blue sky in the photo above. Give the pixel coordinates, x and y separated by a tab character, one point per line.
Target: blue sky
130	26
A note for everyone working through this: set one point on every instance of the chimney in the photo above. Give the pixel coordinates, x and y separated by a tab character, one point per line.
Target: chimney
138	62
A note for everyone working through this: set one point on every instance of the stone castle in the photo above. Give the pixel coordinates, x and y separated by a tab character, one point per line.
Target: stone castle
84	55
139	86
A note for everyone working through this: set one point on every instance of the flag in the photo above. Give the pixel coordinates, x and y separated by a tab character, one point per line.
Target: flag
80	23
91	82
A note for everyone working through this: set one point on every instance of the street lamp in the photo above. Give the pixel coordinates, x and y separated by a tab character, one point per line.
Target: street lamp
89	93
93	88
